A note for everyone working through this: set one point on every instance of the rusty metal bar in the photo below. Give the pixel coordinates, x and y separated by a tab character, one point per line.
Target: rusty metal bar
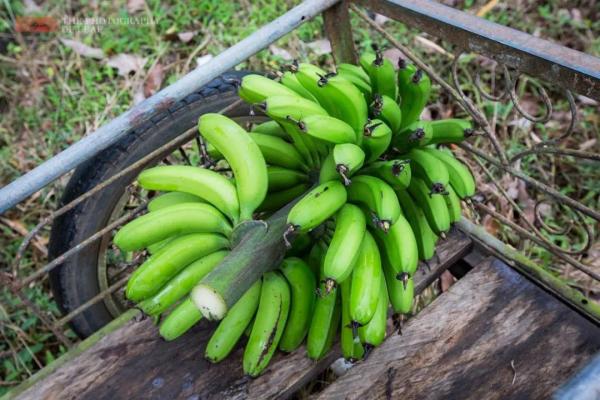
117	128
339	32
554	63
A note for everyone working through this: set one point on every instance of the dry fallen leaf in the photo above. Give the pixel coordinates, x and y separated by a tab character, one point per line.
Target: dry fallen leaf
186	36
126	64
491	225
320	46
203	60
83	49
283	53
134	6
153	80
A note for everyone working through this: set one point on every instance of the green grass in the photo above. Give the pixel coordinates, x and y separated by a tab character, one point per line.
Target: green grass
50	97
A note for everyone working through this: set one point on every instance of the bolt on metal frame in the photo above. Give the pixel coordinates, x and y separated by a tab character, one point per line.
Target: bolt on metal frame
517	53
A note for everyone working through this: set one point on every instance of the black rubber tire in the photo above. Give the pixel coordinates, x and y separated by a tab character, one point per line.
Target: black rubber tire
76	280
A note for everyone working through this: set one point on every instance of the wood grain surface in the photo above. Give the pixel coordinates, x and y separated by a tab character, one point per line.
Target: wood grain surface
133	362
493	335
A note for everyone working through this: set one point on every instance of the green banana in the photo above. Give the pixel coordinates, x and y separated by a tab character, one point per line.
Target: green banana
170	199
315	258
256	88
182	284
378	197
155	247
343	161
400	247
176	220
358	77
206	184
460	176
376	139
244	157
303	286
351	106
373	333
396	173
343	251
328	129
386	109
232	326
283	178
277	200
381	72
366	278
318	205
430	169
352	348
180	320
277	151
172	258
453	203
400	291
289	80
425	236
414	93
417	134
269	323
434	206
271	128
322	323
450	131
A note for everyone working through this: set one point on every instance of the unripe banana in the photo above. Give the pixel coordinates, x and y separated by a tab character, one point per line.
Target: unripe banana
162	266
155	247
351	106
289	80
271	128
373	333
433	205
182	284
378	197
400	247
283	178
381	72
318	205
450	131
343	251
415	95
172	198
460	176
232	326
256	88
348	158
180	320
425	236
358	77
323	322
176	220
366	282
328	129
303	286
430	169
244	157
316	257
387	110
453	203
277	200
206	184
277	151
352	348
281	107
400	291
376	139
417	134
396	173
271	316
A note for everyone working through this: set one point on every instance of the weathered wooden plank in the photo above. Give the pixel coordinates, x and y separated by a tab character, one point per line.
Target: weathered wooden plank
339	32
133	362
493	335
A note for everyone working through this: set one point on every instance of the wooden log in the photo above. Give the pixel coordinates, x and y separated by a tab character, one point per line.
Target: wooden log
493	335
134	362
339	32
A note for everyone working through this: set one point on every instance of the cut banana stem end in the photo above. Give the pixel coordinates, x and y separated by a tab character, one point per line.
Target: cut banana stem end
384	225
209	302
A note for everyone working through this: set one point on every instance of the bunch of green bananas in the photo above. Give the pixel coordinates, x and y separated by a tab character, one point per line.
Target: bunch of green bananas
371	177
